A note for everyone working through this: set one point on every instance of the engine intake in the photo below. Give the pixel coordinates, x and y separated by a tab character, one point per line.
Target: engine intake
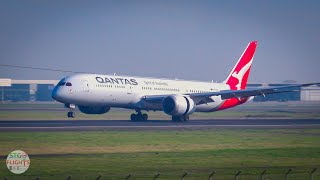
177	105
94	109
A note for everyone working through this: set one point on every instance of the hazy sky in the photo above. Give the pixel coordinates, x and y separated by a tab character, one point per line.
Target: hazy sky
198	40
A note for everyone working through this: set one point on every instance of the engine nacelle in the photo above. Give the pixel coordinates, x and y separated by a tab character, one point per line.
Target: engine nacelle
94	109
177	105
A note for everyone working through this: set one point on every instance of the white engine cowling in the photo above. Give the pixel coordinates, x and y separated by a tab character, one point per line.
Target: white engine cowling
177	105
94	109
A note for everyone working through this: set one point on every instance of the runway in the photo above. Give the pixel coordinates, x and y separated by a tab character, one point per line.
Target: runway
82	125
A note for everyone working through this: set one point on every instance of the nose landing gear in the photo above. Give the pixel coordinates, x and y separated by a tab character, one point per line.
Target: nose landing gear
71	114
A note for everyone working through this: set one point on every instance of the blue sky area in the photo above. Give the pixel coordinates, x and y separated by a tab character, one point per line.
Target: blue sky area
197	40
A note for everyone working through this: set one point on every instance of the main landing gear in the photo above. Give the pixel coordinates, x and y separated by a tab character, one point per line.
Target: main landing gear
71	114
139	116
180	118
144	117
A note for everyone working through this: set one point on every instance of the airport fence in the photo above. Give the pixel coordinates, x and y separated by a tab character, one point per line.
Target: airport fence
275	173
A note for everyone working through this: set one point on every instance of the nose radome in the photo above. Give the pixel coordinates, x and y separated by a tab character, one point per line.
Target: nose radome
56	94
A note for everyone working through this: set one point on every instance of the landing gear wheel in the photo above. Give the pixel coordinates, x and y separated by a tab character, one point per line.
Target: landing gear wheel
144	117
71	114
186	118
139	117
133	117
176	118
180	118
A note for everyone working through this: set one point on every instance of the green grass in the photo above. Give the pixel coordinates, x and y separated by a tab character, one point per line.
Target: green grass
114	154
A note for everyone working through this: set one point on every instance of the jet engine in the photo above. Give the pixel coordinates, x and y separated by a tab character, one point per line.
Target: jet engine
94	109
177	105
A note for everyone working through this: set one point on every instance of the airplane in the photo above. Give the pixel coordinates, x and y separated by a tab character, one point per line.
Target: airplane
96	93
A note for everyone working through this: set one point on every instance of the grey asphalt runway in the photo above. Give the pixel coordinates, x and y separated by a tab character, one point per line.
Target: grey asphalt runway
73	125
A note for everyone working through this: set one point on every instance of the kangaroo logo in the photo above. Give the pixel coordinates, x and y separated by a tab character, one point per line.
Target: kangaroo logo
239	75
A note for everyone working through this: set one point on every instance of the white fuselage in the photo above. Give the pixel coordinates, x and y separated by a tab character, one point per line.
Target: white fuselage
129	92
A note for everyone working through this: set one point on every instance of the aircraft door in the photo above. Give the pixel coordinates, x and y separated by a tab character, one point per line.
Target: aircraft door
85	85
129	90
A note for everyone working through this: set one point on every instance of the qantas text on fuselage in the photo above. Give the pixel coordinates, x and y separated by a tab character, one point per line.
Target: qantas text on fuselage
109	80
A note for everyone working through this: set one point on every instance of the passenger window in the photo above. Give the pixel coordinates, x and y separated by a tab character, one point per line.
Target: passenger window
68	84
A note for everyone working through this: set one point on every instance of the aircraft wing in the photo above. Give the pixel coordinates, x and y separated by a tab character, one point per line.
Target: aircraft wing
227	94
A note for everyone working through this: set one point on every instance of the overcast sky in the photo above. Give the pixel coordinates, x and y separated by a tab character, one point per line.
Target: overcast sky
197	40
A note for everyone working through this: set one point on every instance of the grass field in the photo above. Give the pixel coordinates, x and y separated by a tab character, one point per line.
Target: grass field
115	154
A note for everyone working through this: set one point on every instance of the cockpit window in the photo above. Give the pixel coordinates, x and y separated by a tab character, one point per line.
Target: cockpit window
61	83
64	84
